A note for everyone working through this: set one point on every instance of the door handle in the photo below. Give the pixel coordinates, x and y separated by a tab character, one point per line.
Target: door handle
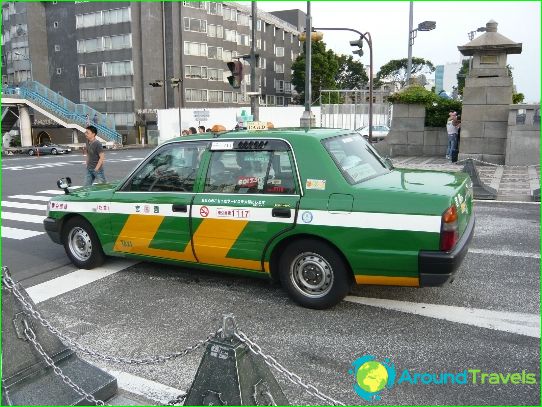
179	208
281	212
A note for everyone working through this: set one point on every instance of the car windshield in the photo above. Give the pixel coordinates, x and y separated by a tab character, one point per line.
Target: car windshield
357	160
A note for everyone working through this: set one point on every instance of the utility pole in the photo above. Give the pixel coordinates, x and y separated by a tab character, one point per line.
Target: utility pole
410	42
254	96
307	119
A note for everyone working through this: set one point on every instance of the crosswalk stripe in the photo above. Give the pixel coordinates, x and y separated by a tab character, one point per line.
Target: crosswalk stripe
31	197
22	217
18	234
58	191
24	205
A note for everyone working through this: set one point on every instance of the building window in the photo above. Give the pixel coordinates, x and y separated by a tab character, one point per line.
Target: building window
264	45
92	95
215	74
230	35
287	87
195	72
279	68
195	48
121	15
57	48
90	45
280	100
215	31
279	51
103	17
214	52
201	5
90	70
243	39
59	71
243	19
118	68
270	100
230	14
122	119
262	62
195	95
258	44
283	35
291	38
259	25
215	8
117	42
195	25
279	86
55	24
216	96
228	97
119	94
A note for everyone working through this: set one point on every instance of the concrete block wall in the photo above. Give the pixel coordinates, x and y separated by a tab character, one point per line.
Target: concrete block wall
523	136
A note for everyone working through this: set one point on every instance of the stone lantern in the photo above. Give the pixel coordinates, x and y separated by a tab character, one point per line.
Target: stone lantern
487	96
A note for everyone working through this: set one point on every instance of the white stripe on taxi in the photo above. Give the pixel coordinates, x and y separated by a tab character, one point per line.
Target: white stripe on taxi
362	220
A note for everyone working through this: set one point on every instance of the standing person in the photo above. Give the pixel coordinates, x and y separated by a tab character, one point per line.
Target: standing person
95	157
95	118
201	129
193	130
451	129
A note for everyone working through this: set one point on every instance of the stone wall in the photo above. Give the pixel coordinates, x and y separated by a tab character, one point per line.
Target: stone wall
523	135
409	136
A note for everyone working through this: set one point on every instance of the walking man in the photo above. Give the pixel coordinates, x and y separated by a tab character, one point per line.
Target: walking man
95	157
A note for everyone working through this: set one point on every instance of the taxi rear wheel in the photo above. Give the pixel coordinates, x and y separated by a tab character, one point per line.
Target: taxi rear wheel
314	274
82	244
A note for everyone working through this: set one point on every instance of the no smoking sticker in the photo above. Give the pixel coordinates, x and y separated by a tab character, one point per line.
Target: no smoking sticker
204	211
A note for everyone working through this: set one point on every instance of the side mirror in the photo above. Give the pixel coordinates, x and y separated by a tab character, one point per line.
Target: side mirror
388	163
64	183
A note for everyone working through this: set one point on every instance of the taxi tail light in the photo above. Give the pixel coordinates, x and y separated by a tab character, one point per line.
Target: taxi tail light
449	231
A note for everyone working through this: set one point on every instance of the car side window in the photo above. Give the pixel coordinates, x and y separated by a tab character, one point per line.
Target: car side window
250	172
172	169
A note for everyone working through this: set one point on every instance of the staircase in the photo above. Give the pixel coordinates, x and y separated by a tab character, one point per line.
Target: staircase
62	108
9	118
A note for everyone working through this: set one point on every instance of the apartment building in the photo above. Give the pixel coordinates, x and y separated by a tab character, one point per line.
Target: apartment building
106	54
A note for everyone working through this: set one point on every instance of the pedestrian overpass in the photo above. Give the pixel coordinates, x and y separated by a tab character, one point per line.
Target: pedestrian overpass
34	95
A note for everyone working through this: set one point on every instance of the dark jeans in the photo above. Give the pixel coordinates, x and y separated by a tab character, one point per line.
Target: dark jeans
93	175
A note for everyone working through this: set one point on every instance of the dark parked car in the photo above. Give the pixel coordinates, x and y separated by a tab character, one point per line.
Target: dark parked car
48	148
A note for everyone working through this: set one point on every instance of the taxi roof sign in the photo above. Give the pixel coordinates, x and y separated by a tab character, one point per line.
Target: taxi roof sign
254	126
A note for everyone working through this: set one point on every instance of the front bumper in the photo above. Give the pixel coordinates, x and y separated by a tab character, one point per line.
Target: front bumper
436	268
53	228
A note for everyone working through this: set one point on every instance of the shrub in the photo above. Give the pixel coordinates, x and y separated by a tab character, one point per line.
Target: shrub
436	107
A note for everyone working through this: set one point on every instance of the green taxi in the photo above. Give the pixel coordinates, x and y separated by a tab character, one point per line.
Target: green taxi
318	210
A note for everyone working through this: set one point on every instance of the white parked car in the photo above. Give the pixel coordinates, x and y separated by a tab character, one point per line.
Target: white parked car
379	132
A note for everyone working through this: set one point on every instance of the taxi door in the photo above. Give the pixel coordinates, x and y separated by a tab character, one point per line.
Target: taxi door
250	196
150	212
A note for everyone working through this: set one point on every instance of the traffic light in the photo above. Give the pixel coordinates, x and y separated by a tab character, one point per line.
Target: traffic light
315	36
157	84
236	69
359	44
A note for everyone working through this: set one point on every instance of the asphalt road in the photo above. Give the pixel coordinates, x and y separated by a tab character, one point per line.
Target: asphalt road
484	320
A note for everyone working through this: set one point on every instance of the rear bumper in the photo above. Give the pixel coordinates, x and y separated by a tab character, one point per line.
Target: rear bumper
53	227
437	268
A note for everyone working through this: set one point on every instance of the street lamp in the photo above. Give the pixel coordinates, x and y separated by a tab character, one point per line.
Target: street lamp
423	26
359	43
473	33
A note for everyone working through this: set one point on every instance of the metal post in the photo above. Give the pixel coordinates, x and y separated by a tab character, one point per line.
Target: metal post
254	98
164	51
410	43
307	119
367	37
179	92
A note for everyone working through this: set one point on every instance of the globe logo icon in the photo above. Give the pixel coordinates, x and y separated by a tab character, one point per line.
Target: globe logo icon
372	377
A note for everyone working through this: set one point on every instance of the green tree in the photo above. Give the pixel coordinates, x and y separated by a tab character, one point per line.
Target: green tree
395	71
323	70
518	98
351	73
461	75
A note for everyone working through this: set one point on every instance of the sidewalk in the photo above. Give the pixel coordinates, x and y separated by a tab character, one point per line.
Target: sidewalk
511	183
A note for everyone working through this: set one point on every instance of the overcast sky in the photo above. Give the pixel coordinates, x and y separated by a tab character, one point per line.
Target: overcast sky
387	21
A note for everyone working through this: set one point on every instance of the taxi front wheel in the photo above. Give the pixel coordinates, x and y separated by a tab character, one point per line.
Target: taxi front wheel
82	244
314	274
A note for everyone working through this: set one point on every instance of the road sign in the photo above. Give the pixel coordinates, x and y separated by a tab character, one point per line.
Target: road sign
201	115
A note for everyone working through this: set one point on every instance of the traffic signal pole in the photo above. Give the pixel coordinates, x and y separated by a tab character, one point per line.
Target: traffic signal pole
307	119
254	98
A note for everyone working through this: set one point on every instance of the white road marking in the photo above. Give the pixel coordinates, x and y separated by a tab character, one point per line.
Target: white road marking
513	322
506	202
78	278
31	197
157	392
58	191
18	234
506	253
23	217
23	205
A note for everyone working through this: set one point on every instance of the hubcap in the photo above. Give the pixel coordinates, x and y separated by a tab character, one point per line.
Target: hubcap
80	244
311	275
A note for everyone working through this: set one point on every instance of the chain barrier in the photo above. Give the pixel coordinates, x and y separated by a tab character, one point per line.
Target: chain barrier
292	377
10	286
31	336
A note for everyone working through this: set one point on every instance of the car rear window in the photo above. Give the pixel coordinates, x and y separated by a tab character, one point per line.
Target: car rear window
356	158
